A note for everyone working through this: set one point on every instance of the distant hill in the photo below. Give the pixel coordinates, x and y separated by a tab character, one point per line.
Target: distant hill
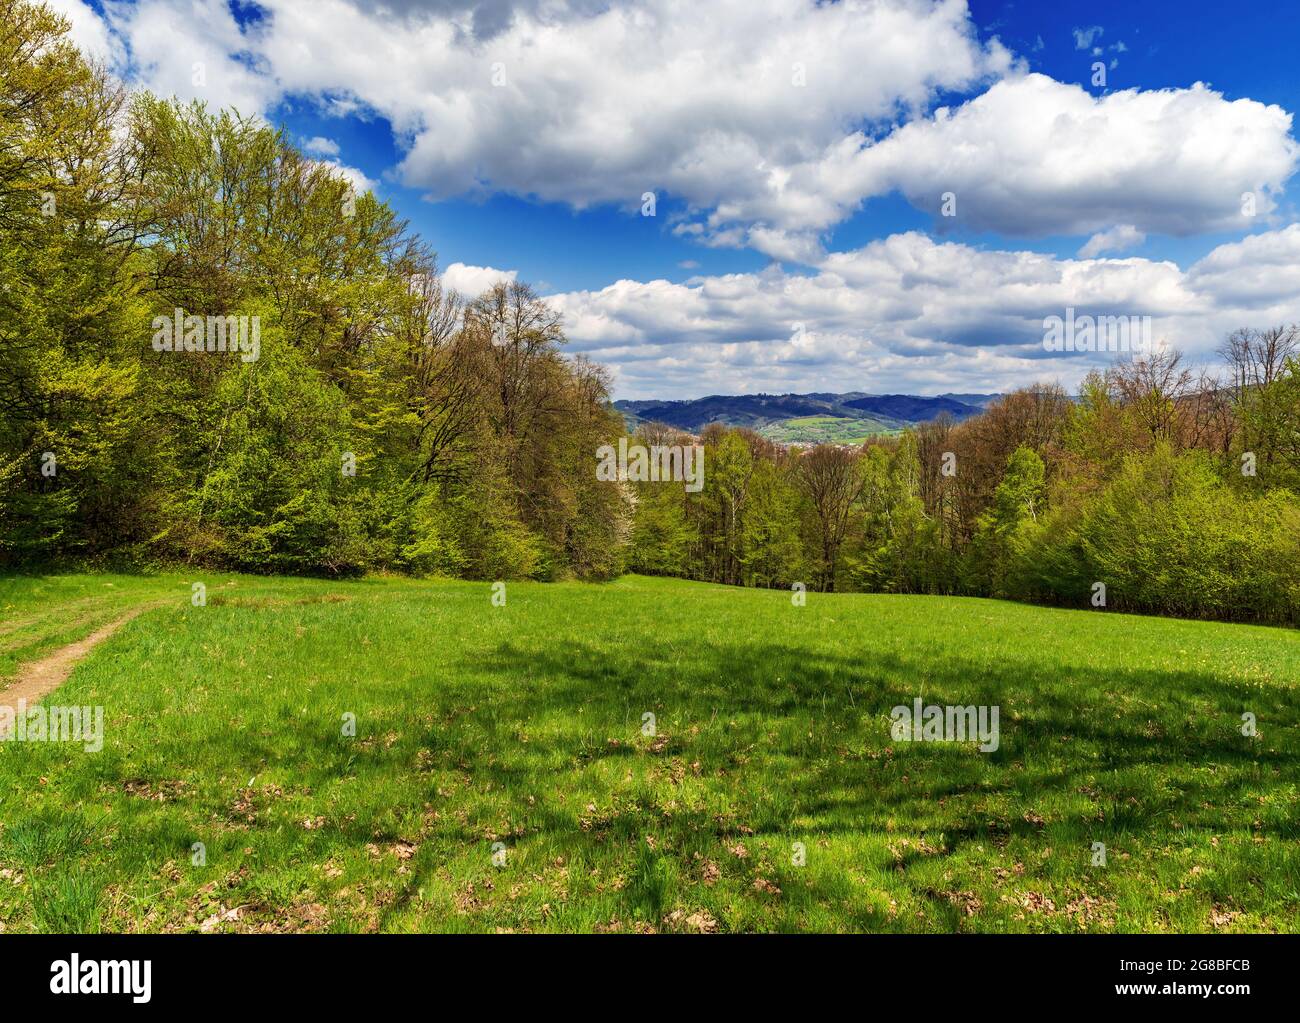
806	418
734	410
912	409
980	400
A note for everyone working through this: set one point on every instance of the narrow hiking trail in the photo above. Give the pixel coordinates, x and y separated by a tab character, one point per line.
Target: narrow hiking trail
38	679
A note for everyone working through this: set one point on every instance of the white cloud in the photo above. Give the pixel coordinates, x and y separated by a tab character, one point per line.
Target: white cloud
595	103
352	175
472	281
1085	37
656	97
1261	270
319	146
87	30
600	102
1120	238
194	50
1032	156
908	313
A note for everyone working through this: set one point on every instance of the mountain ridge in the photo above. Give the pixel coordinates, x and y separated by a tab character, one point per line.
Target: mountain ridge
805	418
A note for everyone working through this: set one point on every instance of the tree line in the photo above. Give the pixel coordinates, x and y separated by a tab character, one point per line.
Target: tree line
1154	490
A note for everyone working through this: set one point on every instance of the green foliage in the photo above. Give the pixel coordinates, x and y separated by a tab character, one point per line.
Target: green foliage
1166	531
1169	535
662	537
1004	531
771	552
378	425
899	544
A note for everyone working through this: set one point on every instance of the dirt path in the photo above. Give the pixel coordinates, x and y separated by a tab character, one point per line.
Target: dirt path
40	678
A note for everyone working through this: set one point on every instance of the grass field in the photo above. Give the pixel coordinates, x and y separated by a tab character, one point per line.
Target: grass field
522	725
826	430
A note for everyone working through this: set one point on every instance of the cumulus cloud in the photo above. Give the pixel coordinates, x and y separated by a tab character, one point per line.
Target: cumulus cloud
1261	271
653	97
1120	238
583	103
194	50
319	146
354	176
472	281
1034	157
87	30
771	122
909	313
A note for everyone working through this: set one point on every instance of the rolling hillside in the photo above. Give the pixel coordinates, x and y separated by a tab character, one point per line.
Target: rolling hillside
706	759
805	418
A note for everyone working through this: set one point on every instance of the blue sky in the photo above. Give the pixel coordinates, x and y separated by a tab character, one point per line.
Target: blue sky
799	154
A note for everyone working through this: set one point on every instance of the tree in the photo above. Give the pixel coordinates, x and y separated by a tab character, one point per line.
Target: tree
832	481
1261	368
1000	536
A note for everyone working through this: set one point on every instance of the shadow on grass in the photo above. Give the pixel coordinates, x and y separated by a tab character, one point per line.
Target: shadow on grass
799	743
1195	722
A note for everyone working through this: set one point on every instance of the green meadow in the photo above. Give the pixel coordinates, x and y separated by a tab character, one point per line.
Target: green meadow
826	430
502	773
